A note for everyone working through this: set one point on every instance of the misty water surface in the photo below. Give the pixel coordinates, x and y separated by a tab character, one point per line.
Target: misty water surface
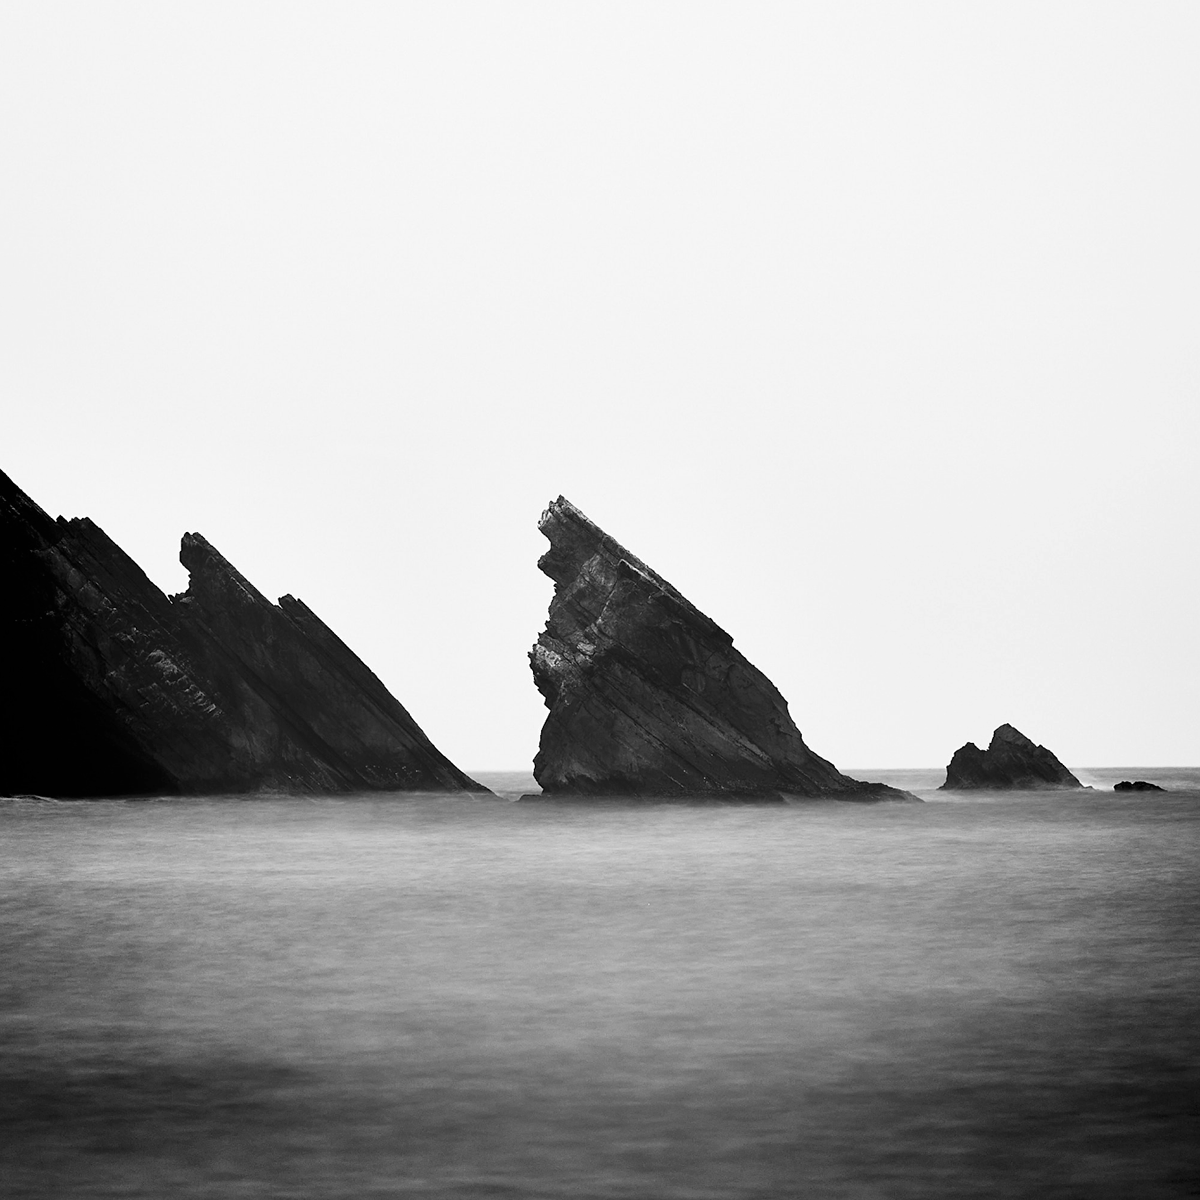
369	997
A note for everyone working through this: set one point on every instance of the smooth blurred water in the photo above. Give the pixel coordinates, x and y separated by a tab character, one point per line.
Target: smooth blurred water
410	996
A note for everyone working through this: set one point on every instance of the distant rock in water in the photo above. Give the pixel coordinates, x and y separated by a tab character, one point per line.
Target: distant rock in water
113	688
647	695
1137	785
1011	761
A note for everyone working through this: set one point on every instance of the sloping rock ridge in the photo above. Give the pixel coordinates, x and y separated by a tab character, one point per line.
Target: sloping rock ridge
647	696
1011	761
114	688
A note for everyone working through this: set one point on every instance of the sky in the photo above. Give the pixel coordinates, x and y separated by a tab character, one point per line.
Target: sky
873	327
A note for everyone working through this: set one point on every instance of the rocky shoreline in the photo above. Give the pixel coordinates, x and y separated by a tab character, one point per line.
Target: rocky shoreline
115	688
647	696
1011	762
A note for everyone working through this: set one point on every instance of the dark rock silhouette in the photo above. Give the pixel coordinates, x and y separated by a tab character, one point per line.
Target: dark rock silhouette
647	695
114	688
1137	785
1011	761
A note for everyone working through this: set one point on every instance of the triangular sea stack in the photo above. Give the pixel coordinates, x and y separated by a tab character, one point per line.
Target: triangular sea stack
647	695
113	688
1010	762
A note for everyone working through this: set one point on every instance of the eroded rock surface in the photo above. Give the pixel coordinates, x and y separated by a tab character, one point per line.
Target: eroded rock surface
648	697
1137	785
1011	761
114	688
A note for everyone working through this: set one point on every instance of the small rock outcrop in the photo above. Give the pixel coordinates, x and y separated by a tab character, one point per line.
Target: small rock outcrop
1010	762
113	688
1137	785
647	696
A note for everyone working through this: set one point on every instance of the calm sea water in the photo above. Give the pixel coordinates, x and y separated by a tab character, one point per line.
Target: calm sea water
405	996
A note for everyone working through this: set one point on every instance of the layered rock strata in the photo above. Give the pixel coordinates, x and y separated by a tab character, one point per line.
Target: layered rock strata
113	688
647	696
1011	761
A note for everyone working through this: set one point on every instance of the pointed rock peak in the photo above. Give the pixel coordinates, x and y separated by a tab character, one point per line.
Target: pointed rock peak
647	695
579	548
212	578
574	538
1009	735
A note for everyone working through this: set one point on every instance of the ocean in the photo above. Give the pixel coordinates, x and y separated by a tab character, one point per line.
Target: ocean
411	996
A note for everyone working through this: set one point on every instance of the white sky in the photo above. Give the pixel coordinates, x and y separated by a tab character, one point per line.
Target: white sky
873	327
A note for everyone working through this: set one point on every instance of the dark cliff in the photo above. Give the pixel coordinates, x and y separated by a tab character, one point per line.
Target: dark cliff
1011	761
648	697
114	688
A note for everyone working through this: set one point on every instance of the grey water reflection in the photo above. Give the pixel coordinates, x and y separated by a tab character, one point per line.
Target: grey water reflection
444	997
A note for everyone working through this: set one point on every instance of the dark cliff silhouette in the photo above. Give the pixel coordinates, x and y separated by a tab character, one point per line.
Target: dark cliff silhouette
113	688
647	695
1011	761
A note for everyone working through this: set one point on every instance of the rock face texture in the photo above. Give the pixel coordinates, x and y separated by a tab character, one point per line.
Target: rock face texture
647	695
113	688
1137	785
1011	761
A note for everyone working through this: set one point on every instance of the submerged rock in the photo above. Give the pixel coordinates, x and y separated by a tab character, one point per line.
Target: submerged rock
114	688
648	697
1011	761
1137	785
